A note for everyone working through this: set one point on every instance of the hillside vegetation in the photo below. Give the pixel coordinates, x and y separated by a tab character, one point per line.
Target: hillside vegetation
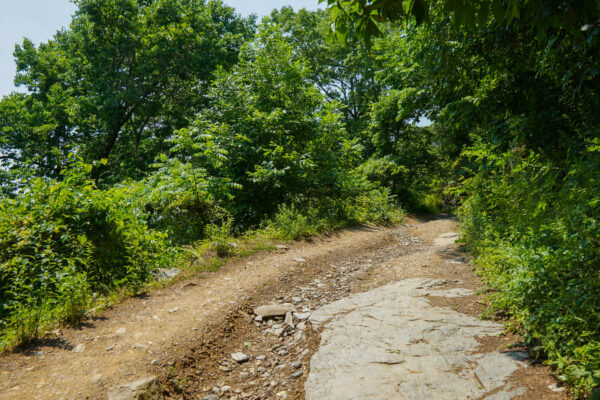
150	130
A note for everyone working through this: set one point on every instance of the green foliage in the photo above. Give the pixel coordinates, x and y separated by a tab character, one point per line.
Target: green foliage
345	74
116	83
364	17
279	139
534	228
61	242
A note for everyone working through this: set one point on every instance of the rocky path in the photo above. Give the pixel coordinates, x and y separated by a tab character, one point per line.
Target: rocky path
366	313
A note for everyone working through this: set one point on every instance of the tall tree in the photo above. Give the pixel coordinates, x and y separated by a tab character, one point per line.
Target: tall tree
123	76
342	73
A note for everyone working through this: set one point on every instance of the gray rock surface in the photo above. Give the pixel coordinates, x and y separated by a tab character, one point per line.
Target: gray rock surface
144	389
390	343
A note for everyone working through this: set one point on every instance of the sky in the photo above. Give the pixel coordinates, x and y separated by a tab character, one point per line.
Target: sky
38	20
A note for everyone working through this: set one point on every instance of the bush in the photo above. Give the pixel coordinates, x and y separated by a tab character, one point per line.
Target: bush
61	242
534	228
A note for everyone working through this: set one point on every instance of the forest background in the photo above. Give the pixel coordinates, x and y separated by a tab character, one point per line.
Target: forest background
154	132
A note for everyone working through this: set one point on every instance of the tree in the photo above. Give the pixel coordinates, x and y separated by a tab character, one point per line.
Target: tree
125	75
342	73
539	16
281	141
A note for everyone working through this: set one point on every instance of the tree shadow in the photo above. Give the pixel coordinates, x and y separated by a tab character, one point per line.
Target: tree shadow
33	346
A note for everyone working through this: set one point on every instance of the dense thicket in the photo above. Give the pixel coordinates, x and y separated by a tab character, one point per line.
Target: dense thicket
149	125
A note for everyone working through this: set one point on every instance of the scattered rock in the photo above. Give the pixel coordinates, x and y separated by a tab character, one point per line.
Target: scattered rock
162	274
449	235
296	364
555	388
282	247
240	357
302	316
144	389
225	389
79	348
299	259
174	309
272	310
120	331
211	397
296	374
289	320
139	346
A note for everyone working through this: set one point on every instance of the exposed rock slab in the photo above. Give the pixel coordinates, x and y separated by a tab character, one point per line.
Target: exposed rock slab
390	343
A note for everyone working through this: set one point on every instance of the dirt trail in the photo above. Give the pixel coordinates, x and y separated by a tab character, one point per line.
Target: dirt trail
186	334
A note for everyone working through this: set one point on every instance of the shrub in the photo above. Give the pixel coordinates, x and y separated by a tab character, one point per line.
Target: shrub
533	226
62	241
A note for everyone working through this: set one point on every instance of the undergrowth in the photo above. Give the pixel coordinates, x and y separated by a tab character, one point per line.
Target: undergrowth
533	227
43	298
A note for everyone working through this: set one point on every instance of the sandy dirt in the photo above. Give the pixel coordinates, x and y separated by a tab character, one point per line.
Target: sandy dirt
185	334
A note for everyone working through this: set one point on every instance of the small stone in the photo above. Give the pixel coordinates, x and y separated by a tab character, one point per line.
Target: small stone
79	348
289	320
147	389
139	346
555	388
302	316
296	364
301	326
261	357
211	397
240	357
174	309
296	374
272	310
120	331
153	362
258	318
225	389
449	235
282	247
109	348
299	259
161	274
